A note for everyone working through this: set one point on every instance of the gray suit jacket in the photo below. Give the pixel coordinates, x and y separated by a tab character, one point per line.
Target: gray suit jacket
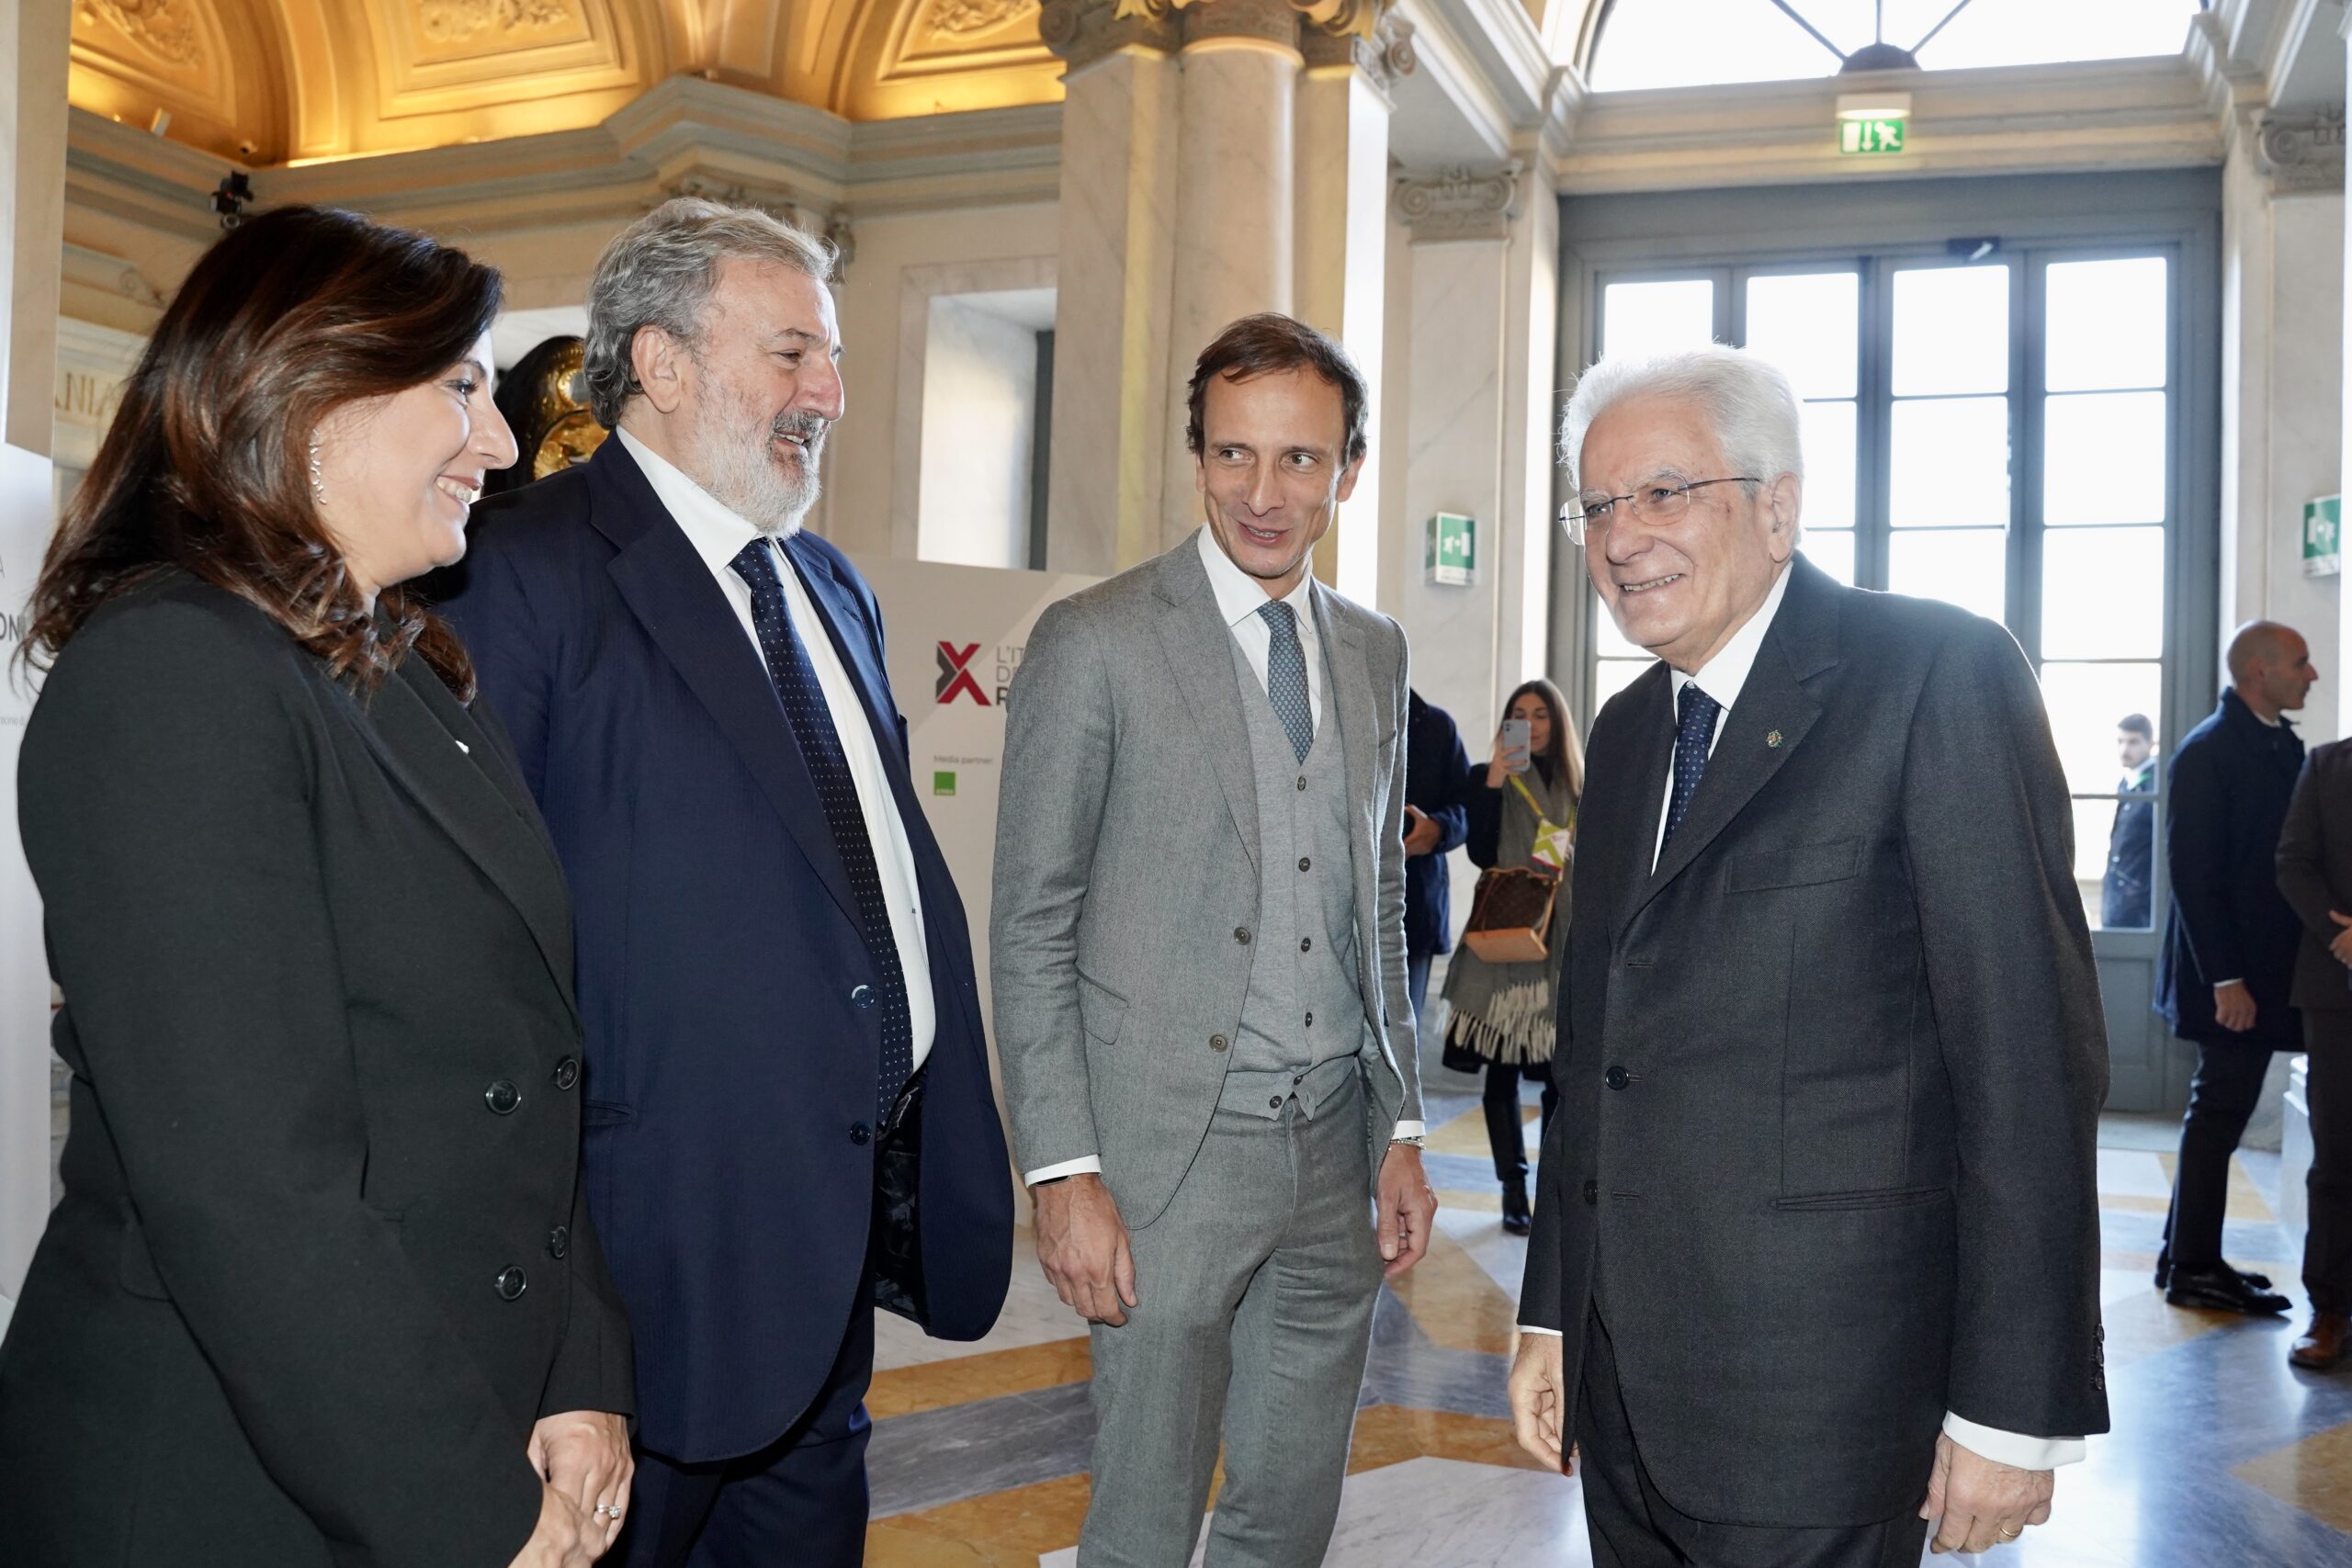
1126	868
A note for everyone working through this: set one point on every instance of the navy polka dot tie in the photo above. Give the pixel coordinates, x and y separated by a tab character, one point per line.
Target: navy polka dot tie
1694	733
820	745
1286	675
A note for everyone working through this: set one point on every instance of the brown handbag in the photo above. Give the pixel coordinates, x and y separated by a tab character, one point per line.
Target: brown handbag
1511	914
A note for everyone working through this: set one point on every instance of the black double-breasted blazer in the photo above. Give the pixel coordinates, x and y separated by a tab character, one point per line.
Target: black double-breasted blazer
321	1258
2314	863
1825	1157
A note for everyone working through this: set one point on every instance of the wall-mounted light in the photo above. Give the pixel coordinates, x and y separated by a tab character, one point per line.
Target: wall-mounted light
1872	122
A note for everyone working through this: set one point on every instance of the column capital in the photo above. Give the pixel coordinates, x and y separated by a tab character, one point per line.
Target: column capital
1384	55
1326	33
2300	153
1081	33
1460	203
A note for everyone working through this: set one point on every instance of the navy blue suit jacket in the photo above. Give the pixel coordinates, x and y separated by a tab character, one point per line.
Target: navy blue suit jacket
728	1156
1435	766
2230	779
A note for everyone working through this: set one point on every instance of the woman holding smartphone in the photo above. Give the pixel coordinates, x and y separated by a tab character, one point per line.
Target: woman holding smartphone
1503	1014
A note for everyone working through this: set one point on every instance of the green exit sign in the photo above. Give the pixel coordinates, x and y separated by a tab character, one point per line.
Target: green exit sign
1451	556
1870	136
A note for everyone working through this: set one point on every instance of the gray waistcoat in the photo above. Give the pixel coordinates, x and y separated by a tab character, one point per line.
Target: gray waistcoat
1303	966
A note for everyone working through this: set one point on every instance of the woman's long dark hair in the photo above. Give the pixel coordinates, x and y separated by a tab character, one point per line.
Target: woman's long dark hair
208	464
1566	752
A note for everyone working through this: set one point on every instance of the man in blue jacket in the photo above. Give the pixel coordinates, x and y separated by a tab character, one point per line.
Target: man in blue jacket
787	1105
2228	959
1435	825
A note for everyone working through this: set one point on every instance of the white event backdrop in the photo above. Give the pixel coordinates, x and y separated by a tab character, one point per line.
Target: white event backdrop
955	635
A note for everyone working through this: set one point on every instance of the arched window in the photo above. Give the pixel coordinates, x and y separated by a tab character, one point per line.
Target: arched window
1693	43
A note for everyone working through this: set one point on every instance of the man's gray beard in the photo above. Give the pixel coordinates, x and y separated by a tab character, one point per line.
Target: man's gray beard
749	481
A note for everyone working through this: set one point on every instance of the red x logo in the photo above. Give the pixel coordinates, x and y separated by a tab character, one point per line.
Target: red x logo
955	673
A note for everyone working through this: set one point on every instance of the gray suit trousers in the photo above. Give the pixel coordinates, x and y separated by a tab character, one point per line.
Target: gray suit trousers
1255	1289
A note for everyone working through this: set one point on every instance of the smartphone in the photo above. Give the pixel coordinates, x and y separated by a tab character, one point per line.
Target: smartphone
1515	743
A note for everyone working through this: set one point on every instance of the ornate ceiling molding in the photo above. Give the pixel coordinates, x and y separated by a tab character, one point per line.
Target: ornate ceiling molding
1459	203
2301	154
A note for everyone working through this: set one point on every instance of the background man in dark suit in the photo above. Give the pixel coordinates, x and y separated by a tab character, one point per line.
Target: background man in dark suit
1436	823
2126	891
2316	875
1815	1255
2228	959
788	1105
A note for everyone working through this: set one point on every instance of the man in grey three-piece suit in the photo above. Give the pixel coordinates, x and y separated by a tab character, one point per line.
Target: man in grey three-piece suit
1200	986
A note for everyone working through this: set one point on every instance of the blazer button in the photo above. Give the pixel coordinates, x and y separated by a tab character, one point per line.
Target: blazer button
510	1283
1304	863
863	996
502	1098
1618	1077
1592	1195
567	1072
1307	945
558	1241
1241	935
860	1133
1216	1041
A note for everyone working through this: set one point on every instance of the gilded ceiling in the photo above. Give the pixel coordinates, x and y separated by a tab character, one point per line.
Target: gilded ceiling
296	81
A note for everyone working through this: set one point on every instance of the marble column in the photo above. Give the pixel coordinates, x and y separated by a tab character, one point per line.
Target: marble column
34	42
1120	136
1468	424
1341	247
2283	242
1221	157
1235	202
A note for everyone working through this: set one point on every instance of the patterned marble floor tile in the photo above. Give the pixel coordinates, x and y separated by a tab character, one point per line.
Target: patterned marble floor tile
967	1380
1003	1529
1032	1314
936	1457
1432	1511
2315	1475
1480	1235
1456	1303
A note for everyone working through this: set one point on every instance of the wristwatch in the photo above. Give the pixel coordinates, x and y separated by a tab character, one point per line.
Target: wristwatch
1417	1140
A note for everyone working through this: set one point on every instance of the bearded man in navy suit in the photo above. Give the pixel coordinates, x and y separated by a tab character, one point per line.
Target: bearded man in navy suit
788	1113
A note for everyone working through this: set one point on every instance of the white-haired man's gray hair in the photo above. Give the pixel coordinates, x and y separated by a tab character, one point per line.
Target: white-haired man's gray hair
1750	406
660	271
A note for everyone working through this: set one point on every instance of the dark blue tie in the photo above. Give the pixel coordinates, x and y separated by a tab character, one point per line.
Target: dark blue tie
1694	732
820	745
1286	675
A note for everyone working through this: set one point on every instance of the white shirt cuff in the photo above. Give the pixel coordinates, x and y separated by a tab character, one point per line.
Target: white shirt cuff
1530	1328
2013	1448
2219	984
1084	1164
1411	1130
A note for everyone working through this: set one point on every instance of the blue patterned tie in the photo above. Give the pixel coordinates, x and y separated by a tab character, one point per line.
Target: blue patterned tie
820	745
1286	675
1693	734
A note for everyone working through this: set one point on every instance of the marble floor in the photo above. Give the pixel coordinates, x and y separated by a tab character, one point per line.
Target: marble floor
2222	1455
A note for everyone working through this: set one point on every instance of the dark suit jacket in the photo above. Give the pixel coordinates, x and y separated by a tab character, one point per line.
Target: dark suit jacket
1830	1076
2229	781
2316	874
1434	764
311	945
731	1152
2127	890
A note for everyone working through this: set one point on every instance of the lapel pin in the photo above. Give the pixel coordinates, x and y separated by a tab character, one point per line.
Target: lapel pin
1773	738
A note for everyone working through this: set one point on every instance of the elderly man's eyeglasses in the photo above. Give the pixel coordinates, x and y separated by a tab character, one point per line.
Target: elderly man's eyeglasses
1658	504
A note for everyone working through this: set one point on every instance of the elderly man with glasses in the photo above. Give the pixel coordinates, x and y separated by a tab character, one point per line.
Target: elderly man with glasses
1815	1258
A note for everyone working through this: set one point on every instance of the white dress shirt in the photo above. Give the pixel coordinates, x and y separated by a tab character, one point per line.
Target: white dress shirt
718	536
1723	678
1239	597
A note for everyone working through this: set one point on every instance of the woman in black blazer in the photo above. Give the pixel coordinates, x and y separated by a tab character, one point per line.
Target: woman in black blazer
321	1289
